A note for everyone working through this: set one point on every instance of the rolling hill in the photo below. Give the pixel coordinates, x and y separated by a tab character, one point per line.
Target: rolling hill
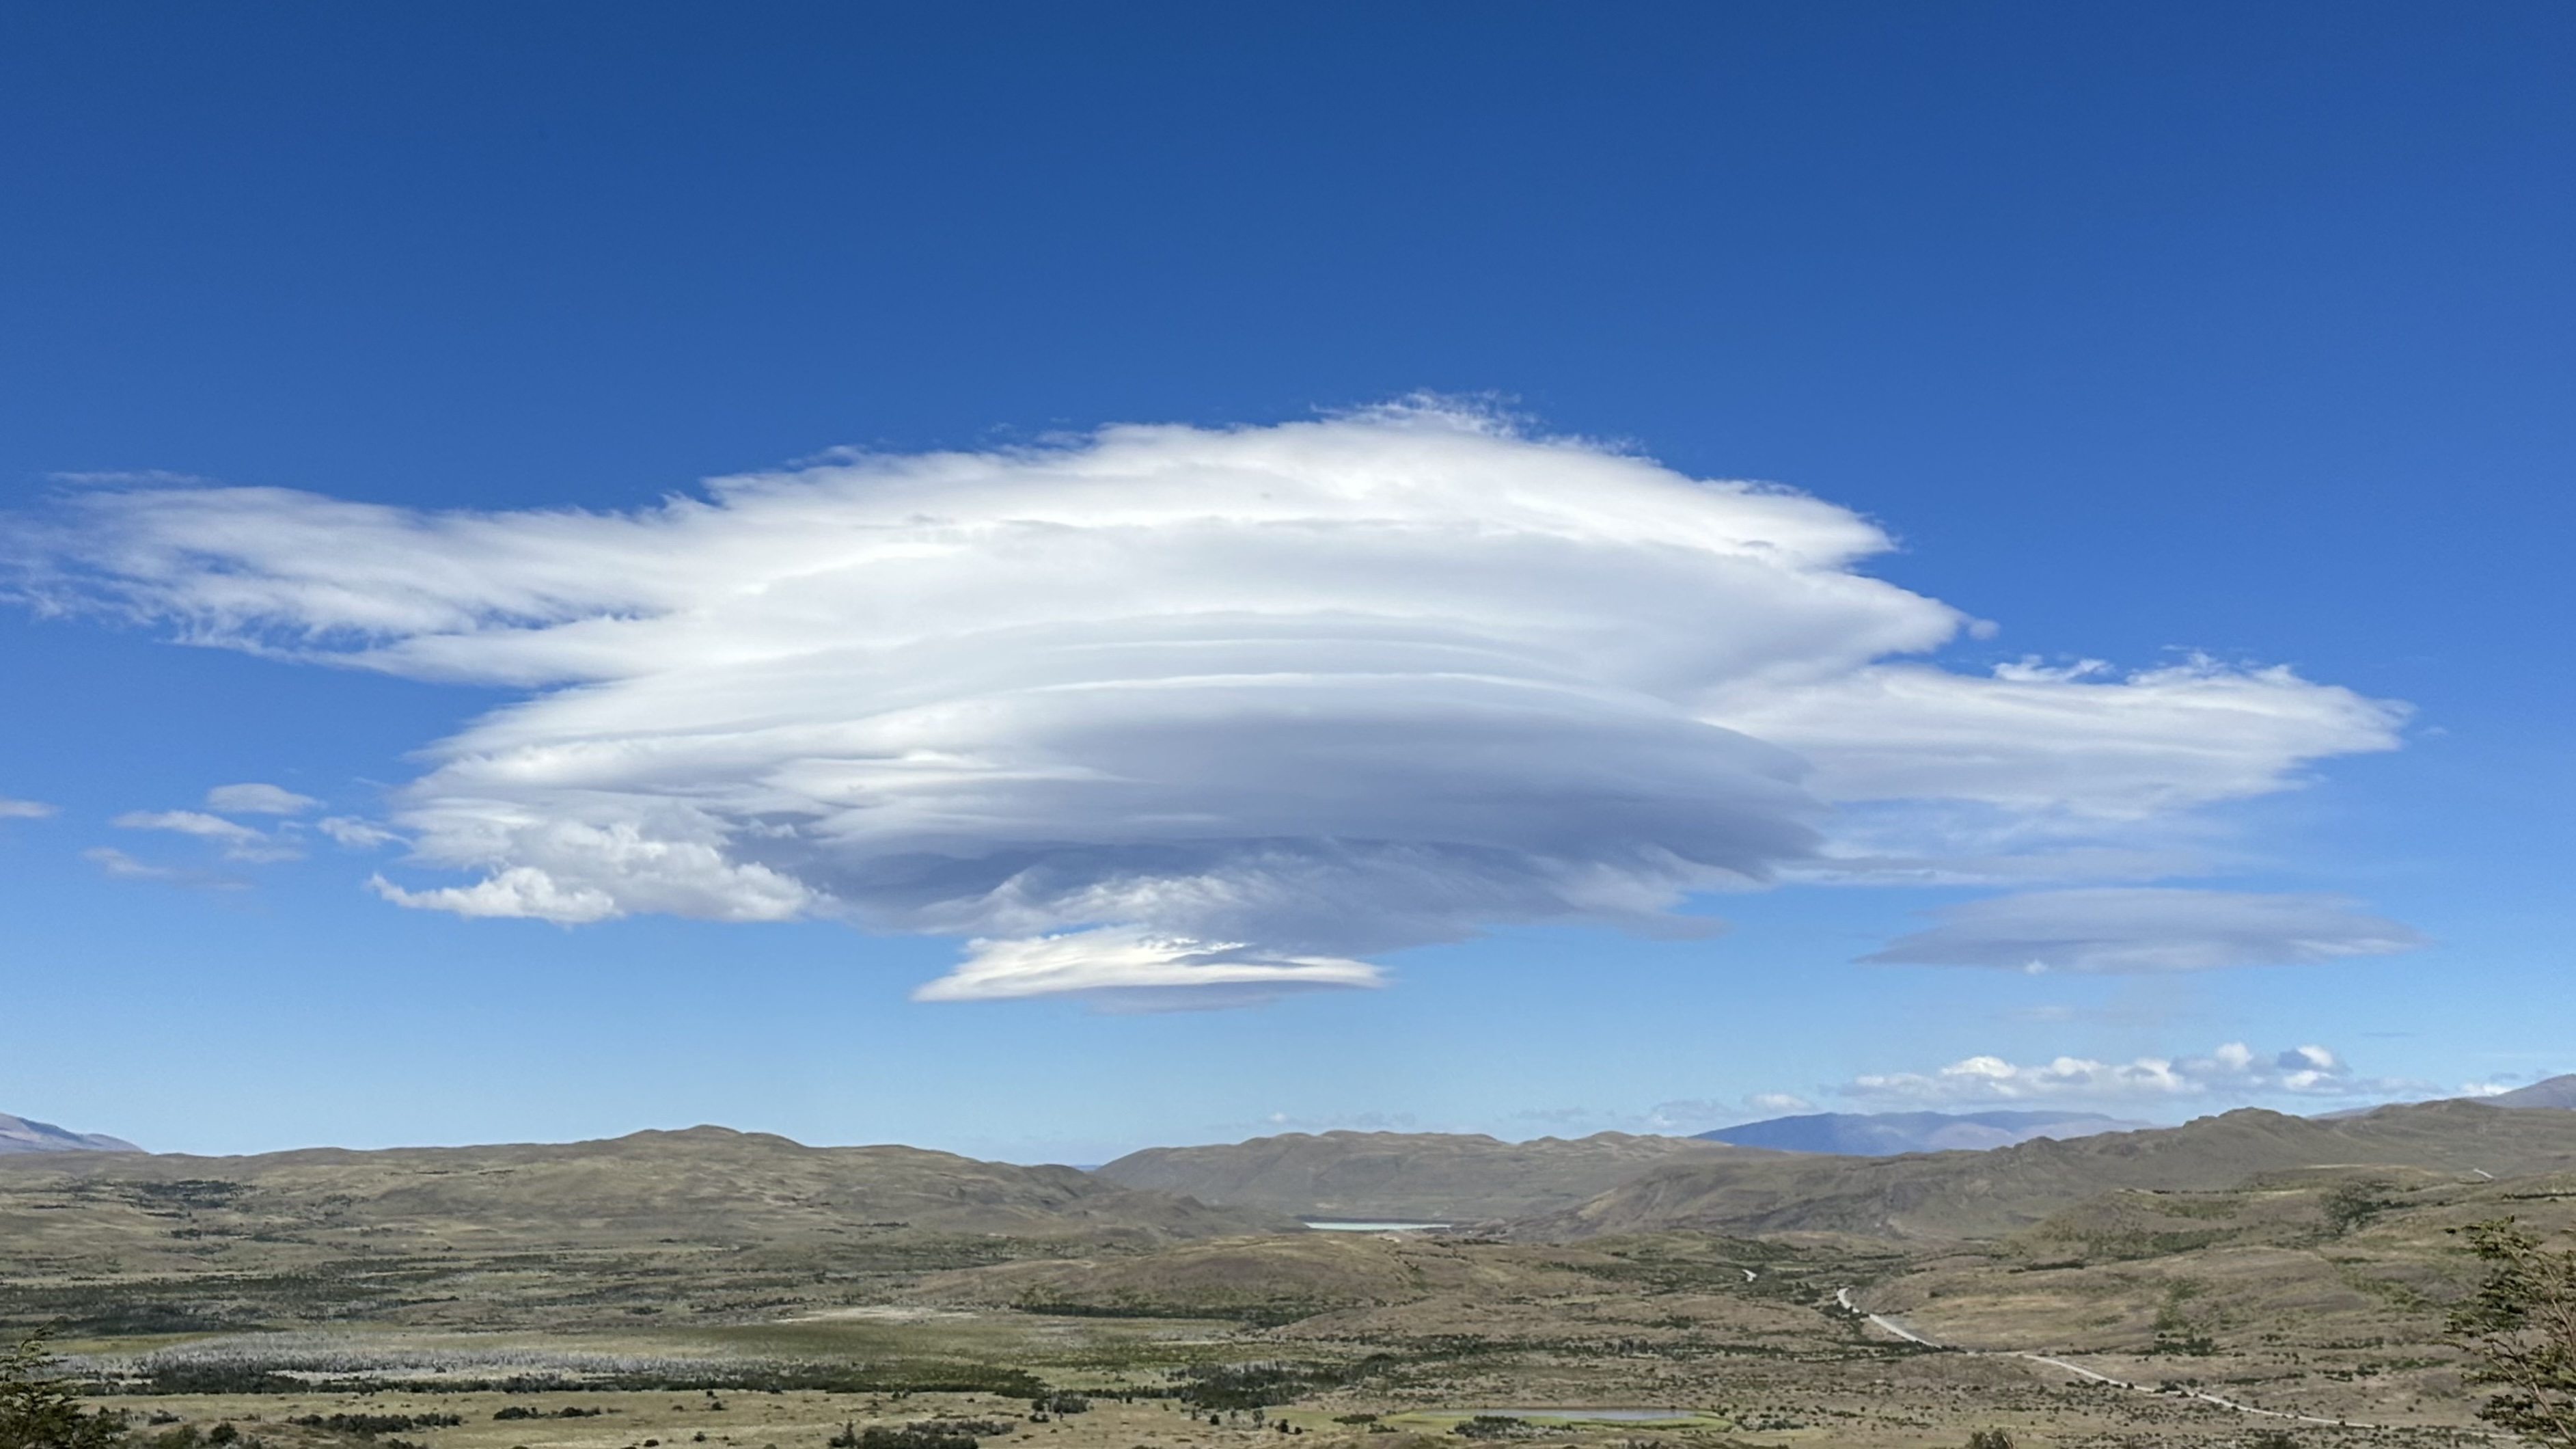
704	1185
1428	1176
705	1222
1982	1194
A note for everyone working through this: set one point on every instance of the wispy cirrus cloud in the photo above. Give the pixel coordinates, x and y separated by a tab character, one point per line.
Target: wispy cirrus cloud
115	864
353	833
12	809
236	841
128	478
1170	710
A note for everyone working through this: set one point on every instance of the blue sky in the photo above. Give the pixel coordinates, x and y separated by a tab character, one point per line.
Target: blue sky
2150	335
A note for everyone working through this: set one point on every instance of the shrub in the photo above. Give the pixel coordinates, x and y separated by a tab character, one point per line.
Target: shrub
38	1410
927	1434
2521	1325
368	1426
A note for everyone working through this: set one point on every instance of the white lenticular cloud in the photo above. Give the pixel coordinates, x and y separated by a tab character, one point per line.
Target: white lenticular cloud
1139	968
1171	710
2231	1071
2148	929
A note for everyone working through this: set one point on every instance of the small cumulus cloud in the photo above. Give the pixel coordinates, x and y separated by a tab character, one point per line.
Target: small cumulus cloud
1699	1115
11	809
1687	1114
2145	929
1171	711
257	799
521	891
2232	1071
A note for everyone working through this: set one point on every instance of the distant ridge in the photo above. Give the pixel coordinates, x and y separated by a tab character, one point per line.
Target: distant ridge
18	1134
1885	1134
702	1185
1454	1177
1980	1194
2557	1091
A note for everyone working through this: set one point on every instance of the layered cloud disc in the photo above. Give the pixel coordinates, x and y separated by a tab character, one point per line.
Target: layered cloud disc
1170	705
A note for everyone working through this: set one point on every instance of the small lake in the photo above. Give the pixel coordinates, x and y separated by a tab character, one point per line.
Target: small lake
1389	1227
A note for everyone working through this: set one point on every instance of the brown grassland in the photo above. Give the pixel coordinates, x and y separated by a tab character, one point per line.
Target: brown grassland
719	1289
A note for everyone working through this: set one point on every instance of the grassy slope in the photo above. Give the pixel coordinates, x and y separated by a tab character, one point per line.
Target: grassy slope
707	1221
1948	1195
1439	1176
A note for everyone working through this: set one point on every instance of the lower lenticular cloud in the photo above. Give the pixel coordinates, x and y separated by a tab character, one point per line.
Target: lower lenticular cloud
2147	929
1172	709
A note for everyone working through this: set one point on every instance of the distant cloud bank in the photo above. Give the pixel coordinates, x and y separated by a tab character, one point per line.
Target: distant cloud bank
2232	1071
1171	713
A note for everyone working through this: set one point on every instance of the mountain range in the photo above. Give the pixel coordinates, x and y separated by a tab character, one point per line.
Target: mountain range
2559	1091
1981	1194
20	1134
1883	1134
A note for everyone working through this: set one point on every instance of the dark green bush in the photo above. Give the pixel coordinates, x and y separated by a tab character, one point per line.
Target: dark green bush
38	1410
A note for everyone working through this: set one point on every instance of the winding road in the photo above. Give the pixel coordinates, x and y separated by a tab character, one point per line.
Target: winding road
1843	1297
